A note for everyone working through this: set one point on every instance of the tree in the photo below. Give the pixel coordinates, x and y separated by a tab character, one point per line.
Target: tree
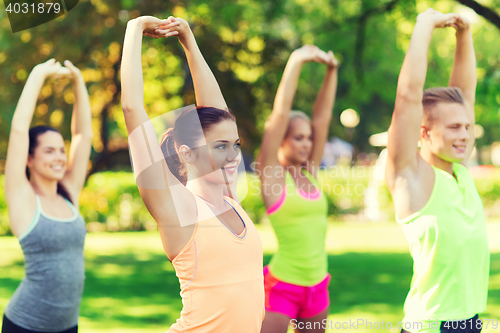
247	45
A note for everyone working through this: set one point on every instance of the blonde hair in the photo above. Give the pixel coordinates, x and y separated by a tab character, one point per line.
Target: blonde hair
294	114
434	96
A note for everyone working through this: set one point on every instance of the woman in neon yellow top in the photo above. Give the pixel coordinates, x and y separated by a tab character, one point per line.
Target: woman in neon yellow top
435	198
296	280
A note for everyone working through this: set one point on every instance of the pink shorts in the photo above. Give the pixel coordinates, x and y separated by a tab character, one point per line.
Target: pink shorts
295	301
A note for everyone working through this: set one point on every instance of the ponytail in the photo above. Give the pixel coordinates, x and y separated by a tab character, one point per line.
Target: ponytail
172	158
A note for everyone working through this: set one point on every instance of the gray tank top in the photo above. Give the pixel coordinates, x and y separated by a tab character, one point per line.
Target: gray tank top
48	298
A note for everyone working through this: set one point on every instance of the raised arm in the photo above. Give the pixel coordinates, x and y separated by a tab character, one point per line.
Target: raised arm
16	182
132	98
322	112
132	82
206	88
81	135
404	132
166	198
278	120
19	193
463	74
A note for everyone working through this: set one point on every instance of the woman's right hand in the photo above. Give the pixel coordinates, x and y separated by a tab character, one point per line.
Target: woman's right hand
309	53
48	68
150	24
461	23
437	19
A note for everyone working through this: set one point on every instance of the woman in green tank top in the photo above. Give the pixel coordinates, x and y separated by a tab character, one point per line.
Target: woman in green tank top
435	198
296	280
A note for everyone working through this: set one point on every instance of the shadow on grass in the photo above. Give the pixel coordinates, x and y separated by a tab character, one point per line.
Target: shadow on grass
121	288
123	291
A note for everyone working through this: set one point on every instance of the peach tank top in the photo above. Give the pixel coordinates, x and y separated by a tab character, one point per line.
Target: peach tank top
220	275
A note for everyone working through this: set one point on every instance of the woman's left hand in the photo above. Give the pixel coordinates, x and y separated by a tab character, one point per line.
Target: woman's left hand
331	61
70	71
175	26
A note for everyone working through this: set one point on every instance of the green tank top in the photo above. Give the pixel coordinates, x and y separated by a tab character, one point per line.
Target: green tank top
299	221
449	246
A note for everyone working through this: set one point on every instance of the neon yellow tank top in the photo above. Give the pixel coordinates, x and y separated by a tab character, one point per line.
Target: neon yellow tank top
299	221
449	246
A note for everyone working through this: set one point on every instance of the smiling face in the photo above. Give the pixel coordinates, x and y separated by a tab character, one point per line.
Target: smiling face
49	158
218	155
297	145
447	136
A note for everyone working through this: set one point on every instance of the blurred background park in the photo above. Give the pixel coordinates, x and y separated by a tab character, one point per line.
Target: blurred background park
130	285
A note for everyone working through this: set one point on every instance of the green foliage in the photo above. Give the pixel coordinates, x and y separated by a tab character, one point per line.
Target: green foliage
252	201
489	189
130	287
247	44
344	187
110	201
113	199
4	214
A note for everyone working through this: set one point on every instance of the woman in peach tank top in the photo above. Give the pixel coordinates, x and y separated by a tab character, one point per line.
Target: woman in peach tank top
223	291
187	183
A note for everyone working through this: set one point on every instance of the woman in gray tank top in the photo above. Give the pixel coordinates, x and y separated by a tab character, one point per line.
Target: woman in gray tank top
42	186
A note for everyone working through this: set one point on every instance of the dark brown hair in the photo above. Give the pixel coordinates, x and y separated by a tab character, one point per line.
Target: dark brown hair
34	133
434	96
187	131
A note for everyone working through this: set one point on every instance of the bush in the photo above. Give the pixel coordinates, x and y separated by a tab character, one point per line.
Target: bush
113	200
489	189
344	187
252	203
110	201
4	215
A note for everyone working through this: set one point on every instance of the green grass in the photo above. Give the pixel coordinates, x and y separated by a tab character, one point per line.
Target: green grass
131	287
